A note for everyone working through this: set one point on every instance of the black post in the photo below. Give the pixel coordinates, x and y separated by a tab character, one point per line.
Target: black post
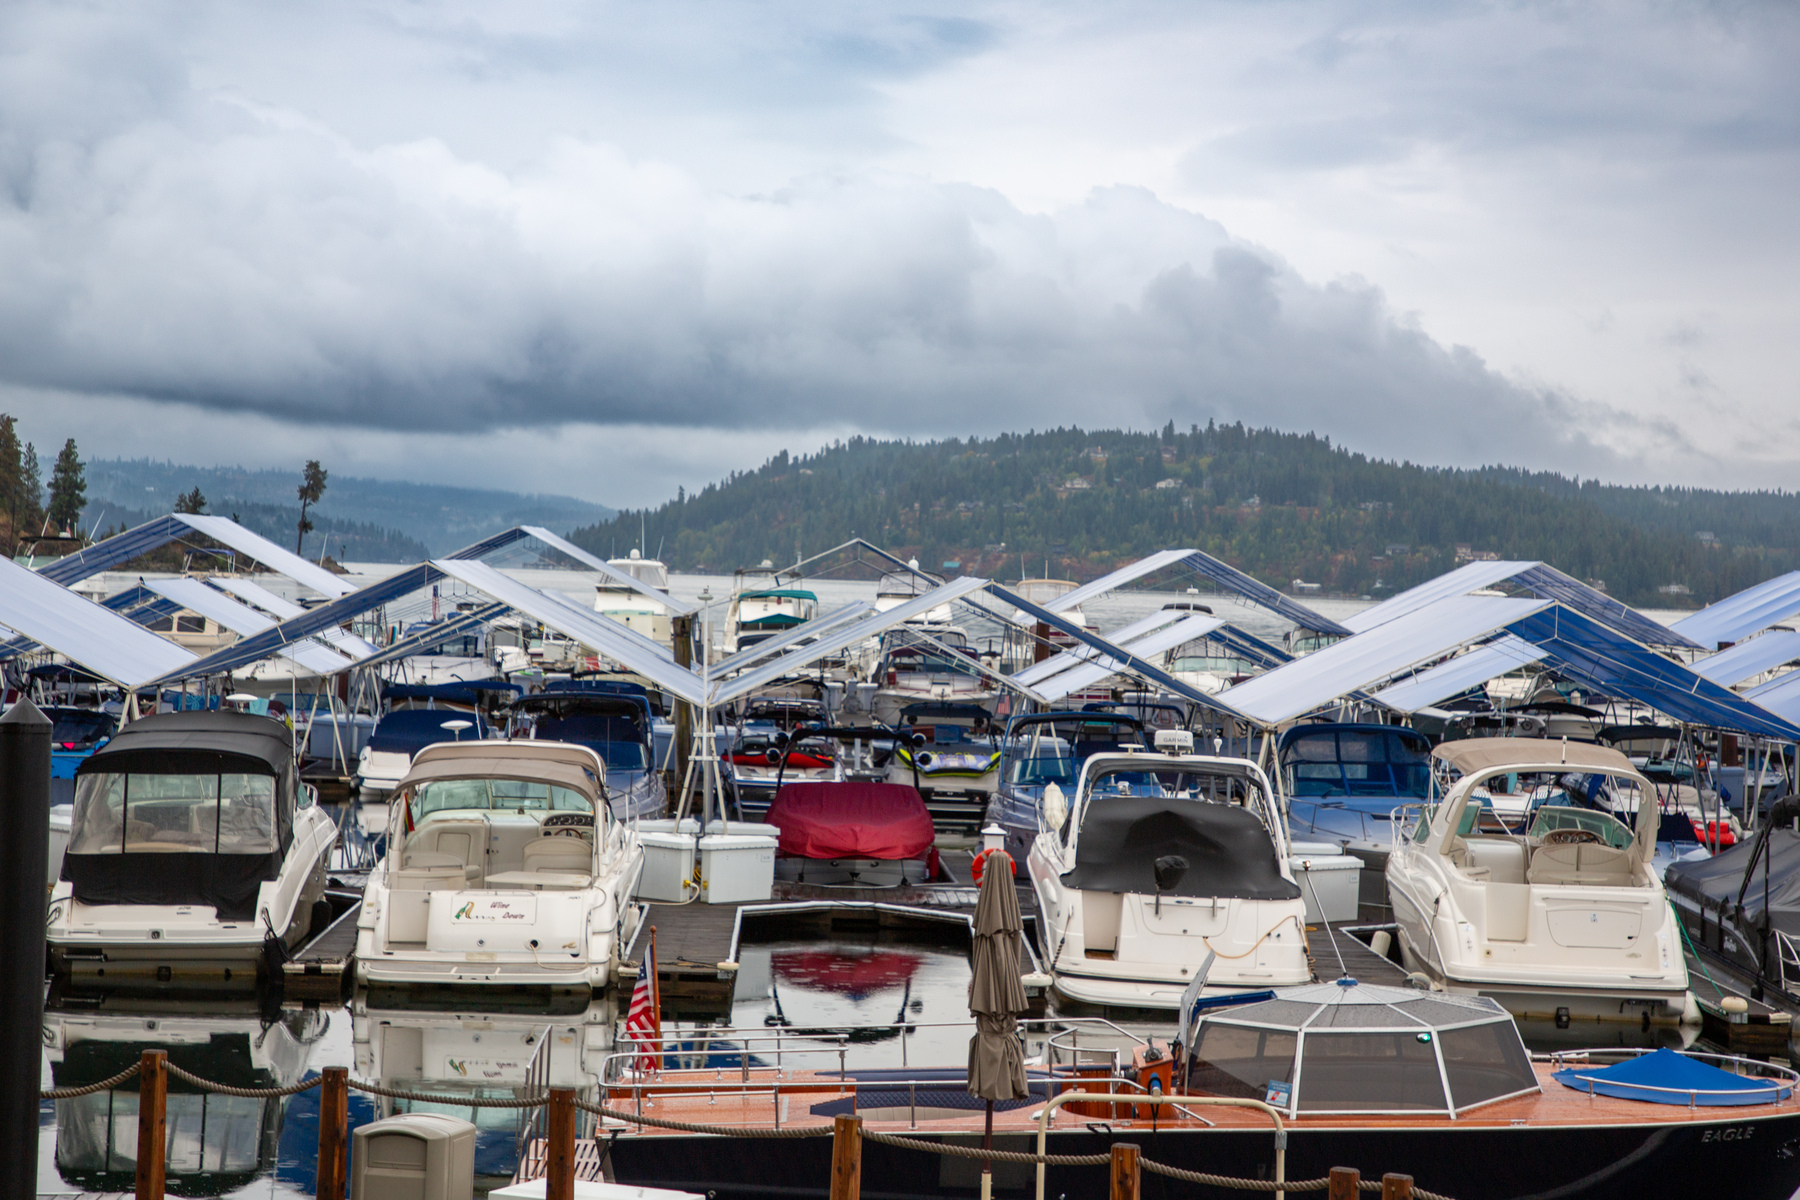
25	832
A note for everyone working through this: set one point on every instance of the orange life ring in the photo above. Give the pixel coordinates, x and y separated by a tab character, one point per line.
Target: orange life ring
980	863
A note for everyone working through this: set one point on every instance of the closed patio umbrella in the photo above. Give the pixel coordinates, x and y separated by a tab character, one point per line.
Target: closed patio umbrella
996	997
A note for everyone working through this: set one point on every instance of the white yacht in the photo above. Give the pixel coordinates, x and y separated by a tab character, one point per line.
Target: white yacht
630	607
1568	915
505	866
1163	857
192	843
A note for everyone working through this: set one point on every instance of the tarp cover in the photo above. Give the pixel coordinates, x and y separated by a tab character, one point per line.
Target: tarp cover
851	820
1665	1077
1229	853
1714	882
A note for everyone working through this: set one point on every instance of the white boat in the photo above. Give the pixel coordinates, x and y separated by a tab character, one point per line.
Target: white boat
1026	643
630	607
505	866
1569	915
918	665
1163	857
192	843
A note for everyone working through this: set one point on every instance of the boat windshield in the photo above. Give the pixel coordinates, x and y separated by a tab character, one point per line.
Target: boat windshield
1217	665
517	795
161	814
79	728
1043	771
1177	784
1356	761
1607	828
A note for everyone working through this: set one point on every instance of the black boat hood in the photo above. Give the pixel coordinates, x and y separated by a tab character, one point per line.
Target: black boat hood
1229	854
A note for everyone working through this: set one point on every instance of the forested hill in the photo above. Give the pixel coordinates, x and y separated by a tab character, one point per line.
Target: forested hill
1281	506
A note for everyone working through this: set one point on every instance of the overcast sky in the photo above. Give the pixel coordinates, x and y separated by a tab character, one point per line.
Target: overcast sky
609	249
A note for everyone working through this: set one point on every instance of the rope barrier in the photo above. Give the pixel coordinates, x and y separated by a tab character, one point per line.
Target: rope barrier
105	1085
1265	1185
207	1085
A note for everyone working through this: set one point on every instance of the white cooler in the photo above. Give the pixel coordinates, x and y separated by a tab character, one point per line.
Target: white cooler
668	859
735	867
1328	880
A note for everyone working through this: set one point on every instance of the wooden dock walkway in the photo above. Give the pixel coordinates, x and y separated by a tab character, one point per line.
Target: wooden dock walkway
324	968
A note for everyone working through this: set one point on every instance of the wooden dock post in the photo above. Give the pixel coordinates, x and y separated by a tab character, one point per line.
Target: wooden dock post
846	1157
334	1131
1125	1172
1344	1185
153	1123
559	1177
1396	1187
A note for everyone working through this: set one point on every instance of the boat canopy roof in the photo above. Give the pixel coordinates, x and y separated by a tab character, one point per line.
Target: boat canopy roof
562	764
779	594
1349	1047
1474	755
1665	1077
172	743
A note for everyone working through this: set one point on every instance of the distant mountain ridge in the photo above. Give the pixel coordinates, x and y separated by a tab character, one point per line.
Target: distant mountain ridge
1282	506
372	520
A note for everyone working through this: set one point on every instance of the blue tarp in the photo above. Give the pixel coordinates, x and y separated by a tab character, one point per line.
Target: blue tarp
1665	1077
410	730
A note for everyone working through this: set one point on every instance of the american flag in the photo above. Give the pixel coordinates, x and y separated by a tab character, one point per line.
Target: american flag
643	1024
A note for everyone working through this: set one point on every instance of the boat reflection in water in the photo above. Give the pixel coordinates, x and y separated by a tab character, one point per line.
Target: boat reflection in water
406	1042
217	1144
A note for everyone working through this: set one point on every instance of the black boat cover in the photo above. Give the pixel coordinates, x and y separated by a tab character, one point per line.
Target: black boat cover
191	743
1712	882
1228	852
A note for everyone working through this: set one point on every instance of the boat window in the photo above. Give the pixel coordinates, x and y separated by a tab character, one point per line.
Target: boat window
1485	1062
161	814
1608	828
445	795
1191	785
78	728
1232	1060
1369	1072
1037	772
190	624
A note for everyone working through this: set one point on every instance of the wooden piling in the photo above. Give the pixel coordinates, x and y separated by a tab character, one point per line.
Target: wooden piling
153	1124
334	1131
1125	1172
846	1157
1396	1187
1345	1184
559	1177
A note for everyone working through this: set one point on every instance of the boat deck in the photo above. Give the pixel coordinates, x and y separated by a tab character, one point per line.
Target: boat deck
323	968
807	1098
697	944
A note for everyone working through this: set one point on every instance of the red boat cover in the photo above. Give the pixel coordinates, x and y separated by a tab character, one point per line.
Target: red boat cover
851	820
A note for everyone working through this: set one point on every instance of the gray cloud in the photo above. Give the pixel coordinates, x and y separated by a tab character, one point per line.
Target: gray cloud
181	222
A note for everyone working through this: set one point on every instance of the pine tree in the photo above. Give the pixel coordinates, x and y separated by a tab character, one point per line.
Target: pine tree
312	486
192	502
31	493
10	470
68	489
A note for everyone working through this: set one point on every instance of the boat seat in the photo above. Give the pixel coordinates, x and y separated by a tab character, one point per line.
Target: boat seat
423	871
1582	863
565	855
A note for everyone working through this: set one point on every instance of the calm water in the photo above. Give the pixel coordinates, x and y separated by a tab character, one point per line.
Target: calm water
797	996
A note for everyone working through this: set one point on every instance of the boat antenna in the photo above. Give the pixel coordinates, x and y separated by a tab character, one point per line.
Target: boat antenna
1343	971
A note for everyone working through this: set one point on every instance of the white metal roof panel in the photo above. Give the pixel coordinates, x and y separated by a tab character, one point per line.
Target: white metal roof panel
244	621
1739	615
1144	645
224	529
1460	582
1082	652
99	639
1369	658
1765	652
1459	674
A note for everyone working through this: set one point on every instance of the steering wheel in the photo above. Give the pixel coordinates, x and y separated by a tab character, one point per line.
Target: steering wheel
1571	837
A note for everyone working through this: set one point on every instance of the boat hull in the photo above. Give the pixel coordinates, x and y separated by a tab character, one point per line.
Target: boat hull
1714	1154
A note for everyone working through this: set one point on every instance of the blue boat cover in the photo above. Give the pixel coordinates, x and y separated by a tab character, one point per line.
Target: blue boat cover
1665	1077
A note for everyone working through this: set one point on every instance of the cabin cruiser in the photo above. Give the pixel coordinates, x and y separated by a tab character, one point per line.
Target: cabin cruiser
192	845
614	725
1343	780
1045	748
388	754
951	753
763	606
1027	639
1567	915
632	608
1162	857
505	866
917	665
218	1143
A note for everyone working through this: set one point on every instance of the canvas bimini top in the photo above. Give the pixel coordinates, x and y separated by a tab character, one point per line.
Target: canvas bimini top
1474	755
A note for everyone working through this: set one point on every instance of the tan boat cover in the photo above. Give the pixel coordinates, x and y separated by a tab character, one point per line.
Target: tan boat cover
560	763
1475	755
